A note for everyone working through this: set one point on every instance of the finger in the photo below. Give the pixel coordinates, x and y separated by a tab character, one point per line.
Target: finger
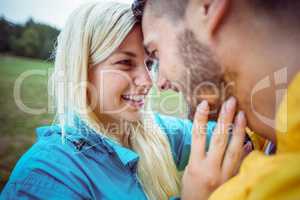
199	131
235	150
247	149
220	136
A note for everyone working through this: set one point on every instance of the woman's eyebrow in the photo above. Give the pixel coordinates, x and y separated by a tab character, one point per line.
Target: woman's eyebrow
128	53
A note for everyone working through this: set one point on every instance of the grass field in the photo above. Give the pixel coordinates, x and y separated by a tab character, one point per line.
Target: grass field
17	128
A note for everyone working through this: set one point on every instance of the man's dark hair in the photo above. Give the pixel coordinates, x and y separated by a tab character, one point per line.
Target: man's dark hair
275	5
173	9
138	7
278	8
176	9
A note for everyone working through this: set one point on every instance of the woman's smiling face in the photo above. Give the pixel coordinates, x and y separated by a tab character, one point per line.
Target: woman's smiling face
121	83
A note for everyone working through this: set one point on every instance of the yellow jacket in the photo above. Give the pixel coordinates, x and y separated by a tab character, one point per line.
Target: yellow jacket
275	177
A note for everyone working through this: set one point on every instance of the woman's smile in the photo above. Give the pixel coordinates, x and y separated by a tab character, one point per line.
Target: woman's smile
134	100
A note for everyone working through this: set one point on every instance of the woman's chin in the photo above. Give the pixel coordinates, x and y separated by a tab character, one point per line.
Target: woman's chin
132	116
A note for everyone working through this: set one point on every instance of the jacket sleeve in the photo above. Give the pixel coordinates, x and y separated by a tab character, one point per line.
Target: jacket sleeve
179	133
37	185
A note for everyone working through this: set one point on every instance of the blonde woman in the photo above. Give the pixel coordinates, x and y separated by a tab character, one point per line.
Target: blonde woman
104	146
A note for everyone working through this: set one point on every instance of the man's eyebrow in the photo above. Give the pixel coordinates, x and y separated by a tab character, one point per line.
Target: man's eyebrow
147	43
146	49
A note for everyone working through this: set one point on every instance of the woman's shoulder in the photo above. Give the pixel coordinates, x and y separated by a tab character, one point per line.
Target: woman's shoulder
179	133
48	150
173	125
47	165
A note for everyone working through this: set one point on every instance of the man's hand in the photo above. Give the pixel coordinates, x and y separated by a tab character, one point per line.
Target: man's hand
206	171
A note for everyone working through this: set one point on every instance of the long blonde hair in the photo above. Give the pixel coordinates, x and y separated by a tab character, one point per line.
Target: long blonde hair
92	33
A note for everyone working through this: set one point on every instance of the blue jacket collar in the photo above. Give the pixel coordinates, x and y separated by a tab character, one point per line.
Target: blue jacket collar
83	135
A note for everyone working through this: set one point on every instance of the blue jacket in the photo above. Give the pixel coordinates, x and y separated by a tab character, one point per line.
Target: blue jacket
87	165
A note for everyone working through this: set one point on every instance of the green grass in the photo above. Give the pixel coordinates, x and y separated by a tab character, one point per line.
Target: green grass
17	128
33	94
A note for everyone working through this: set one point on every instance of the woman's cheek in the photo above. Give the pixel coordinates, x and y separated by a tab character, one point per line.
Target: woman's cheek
117	86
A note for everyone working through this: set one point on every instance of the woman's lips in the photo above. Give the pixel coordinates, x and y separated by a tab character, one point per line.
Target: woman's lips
136	101
135	104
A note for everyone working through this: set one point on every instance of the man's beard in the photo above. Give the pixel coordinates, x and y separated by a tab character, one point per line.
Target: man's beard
203	78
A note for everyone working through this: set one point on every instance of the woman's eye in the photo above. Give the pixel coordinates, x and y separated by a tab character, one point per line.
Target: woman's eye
124	62
125	65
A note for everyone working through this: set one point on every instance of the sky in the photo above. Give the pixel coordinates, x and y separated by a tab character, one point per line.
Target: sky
52	12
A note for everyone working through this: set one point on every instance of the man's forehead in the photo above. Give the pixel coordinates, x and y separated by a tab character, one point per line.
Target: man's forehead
151	27
150	36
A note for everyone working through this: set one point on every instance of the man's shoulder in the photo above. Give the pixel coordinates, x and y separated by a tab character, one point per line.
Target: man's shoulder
257	176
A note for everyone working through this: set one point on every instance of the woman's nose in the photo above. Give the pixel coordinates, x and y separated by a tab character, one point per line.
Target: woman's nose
143	79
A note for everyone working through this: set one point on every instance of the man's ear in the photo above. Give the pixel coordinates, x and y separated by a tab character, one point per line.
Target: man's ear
216	12
210	14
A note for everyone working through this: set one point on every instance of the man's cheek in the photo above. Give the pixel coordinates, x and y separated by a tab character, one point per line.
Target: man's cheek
213	100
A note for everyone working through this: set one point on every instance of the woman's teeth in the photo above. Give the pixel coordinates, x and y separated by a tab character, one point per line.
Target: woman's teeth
136	98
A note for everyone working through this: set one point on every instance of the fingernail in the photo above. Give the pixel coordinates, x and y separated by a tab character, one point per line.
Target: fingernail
240	116
202	106
231	102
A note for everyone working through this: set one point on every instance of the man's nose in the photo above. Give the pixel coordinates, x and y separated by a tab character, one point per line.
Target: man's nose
163	84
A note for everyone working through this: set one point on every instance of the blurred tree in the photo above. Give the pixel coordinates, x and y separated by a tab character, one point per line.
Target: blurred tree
28	44
31	40
4	35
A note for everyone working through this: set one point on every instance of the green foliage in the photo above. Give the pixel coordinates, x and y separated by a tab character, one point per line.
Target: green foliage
32	39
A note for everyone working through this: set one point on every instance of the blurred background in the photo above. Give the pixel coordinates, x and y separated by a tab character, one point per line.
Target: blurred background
28	31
